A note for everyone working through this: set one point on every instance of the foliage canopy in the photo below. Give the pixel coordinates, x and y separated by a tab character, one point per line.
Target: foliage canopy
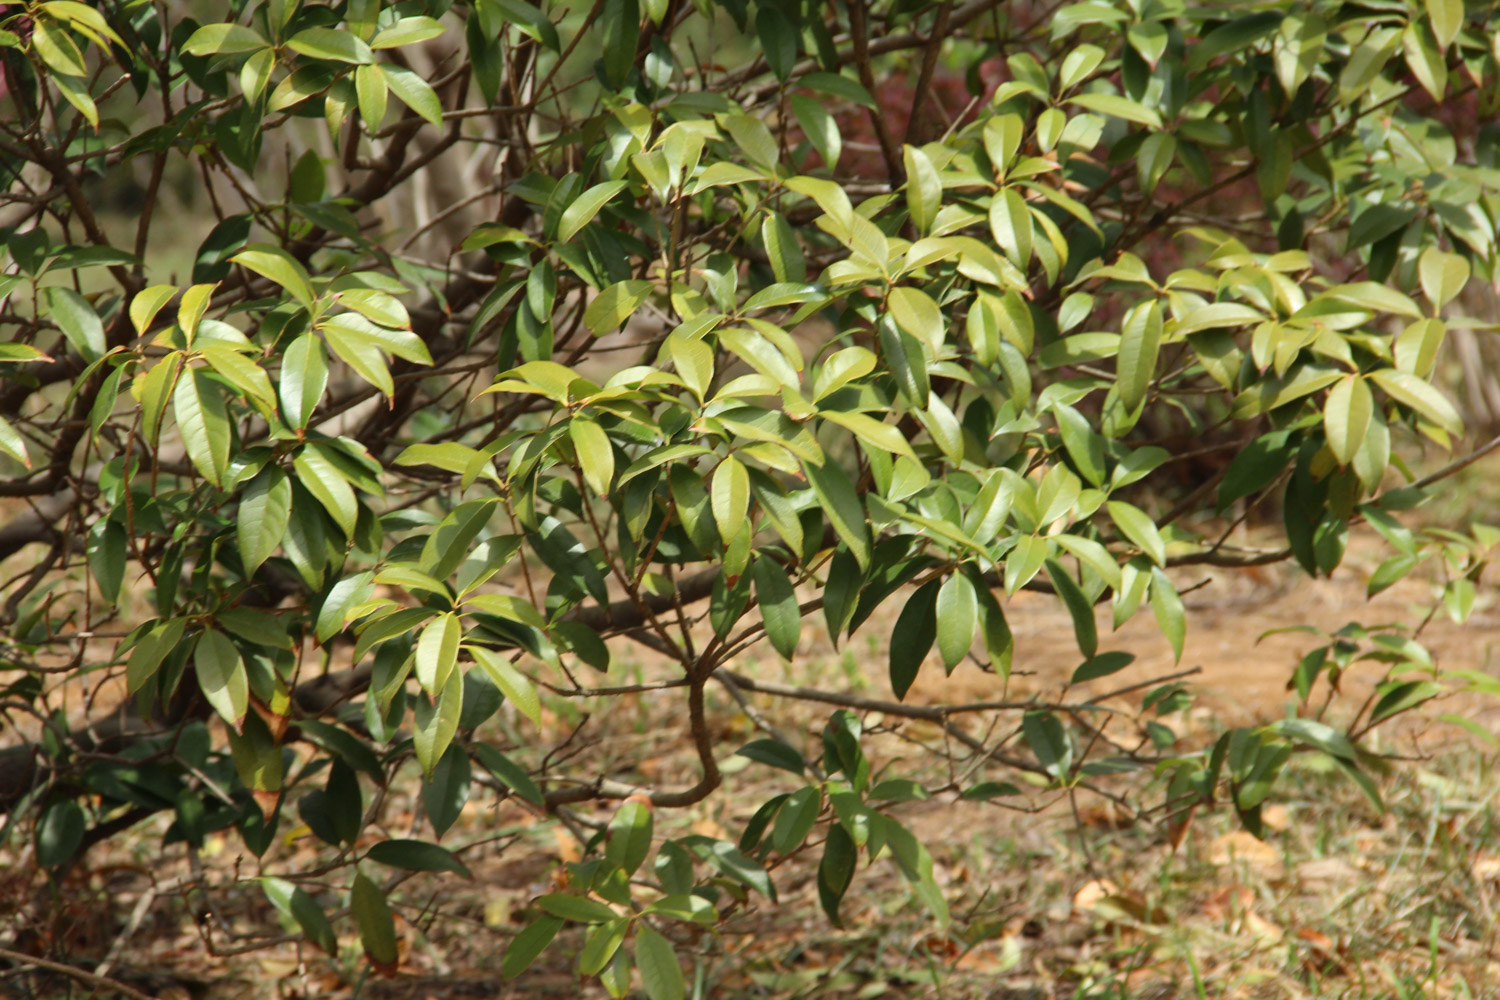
374	368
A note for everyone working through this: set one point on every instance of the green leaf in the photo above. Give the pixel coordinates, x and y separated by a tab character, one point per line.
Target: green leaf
1118	107
661	976
1079	608
1010	222
417	855
836	871
348	593
508	772
1411	391
59	833
415	92
578	909
729	495
106	555
1446	18
407	31
1170	616
279	266
516	687
221	676
1102	665
446	791
778	40
77	320
149	652
295	904
957	613
614	305
437	652
328	43
1136	525
370	91
912	638
1048	741
1140	342
223	39
528	944
57	49
377	928
317	472
795	819
1443	275
583	209
841	505
595	453
924	189
198	405
629	838
916	313
621	23
821	129
1346	416
437	723
775	753
778	605
304	376
13	444
1085	447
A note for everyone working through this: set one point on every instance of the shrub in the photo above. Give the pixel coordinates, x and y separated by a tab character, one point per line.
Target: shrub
372	366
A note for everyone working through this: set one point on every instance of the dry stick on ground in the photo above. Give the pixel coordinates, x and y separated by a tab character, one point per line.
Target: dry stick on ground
73	972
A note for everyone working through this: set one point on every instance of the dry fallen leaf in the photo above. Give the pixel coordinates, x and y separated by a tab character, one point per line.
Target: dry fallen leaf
1243	848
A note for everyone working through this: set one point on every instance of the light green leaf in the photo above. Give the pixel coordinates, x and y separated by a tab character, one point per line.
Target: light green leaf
372	914
1140	342
1443	275
322	478
370	92
57	48
223	39
13	444
407	31
1136	525
437	724
516	687
596	455
265	509
328	43
221	676
415	92
924	189
729	494
1446	18
957	615
1346	416
629	838
198	405
1411	391
304	376
660	974
583	209
916	313
1118	107
437	652
1010	222
77	320
281	267
614	305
